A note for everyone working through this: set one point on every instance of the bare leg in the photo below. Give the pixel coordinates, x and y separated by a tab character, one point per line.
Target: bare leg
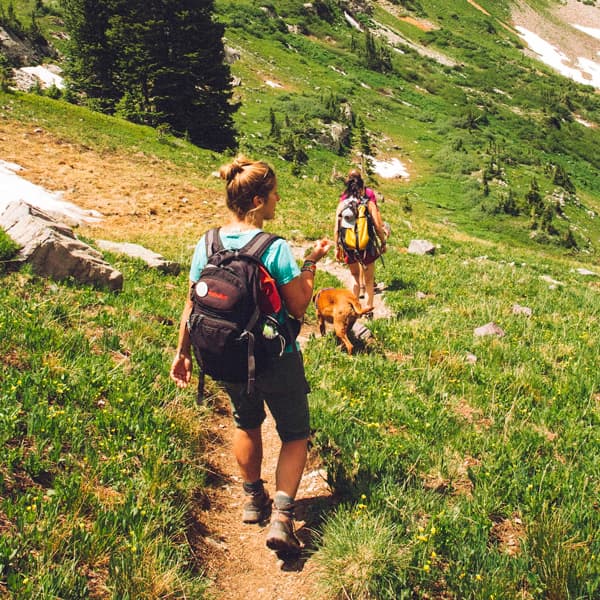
290	466
355	272
369	272
248	451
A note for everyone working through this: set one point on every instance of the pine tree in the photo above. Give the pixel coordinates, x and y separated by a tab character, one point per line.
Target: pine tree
154	62
275	131
90	60
534	198
192	83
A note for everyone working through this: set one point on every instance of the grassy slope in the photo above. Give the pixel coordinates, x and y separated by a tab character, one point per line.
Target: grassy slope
434	454
422	120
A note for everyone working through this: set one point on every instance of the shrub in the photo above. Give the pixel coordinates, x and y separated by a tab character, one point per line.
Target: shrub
8	249
360	556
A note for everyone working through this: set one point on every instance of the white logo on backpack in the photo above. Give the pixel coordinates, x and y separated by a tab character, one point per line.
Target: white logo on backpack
201	289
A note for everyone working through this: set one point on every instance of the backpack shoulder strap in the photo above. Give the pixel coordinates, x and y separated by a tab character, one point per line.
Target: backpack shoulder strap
213	242
259	244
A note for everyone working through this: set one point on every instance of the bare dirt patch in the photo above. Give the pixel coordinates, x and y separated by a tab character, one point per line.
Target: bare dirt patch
507	534
478	7
138	196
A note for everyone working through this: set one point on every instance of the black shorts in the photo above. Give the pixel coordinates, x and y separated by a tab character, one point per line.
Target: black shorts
283	387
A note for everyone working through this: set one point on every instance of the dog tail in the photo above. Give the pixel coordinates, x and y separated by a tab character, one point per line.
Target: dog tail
358	309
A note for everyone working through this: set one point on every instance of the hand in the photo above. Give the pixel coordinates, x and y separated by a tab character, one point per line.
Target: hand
320	249
181	369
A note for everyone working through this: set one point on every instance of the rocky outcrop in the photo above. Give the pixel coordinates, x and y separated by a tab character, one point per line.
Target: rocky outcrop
21	51
53	250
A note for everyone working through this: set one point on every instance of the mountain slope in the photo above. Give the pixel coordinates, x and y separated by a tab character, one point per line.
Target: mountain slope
493	107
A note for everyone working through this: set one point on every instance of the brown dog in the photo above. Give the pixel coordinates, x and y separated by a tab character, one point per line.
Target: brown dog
340	307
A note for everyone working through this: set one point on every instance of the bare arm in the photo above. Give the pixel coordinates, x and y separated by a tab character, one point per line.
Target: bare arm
297	294
378	222
181	368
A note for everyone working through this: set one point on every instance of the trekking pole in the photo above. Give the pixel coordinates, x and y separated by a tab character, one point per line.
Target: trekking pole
378	245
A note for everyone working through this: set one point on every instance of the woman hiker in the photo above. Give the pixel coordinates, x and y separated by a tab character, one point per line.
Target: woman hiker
252	197
361	263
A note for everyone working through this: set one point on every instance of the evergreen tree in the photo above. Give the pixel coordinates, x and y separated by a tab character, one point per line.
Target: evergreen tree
153	62
6	78
569	240
546	219
561	178
534	198
192	83
90	60
275	130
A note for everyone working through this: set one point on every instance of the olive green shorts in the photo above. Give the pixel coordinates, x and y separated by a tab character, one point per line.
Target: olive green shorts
283	388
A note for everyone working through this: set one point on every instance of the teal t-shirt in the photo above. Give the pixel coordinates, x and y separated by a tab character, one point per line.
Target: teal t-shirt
277	259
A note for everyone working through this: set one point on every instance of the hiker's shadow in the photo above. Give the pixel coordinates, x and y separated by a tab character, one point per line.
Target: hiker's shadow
313	512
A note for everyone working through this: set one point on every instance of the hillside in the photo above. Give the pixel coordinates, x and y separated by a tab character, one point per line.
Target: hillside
457	466
470	138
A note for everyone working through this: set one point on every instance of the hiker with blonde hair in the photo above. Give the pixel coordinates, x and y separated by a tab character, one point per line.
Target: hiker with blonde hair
252	197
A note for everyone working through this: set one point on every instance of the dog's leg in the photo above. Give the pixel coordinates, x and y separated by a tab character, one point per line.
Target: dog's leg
341	329
321	325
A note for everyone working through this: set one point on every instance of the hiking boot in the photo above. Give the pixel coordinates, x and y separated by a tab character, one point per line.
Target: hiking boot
281	537
257	508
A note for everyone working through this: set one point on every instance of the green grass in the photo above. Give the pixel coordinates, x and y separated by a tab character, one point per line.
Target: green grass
99	451
444	448
8	249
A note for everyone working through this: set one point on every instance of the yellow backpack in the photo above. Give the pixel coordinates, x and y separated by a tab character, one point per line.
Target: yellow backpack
355	228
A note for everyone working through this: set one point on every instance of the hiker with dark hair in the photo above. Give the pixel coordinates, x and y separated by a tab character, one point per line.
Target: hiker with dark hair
360	234
252	197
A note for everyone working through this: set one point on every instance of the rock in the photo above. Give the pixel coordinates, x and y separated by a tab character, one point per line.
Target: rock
231	55
334	136
53	250
19	50
470	358
152	259
586	272
488	329
517	309
553	282
421	247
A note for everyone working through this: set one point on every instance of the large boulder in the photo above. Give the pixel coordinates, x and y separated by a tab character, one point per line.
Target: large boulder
53	250
19	50
152	259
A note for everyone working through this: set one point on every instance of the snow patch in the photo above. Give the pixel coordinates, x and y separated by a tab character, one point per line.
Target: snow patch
586	71
389	169
14	188
352	21
46	76
593	31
